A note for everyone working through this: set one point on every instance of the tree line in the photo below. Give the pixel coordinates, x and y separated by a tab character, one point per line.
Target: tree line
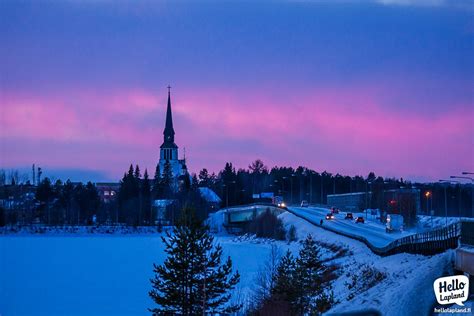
75	204
236	187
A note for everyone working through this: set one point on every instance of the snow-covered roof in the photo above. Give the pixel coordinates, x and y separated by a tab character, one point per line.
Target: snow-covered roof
162	203
209	195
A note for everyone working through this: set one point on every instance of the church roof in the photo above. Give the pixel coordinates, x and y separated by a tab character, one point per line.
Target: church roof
169	130
209	195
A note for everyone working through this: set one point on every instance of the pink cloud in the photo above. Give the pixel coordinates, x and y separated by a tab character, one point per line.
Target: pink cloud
348	130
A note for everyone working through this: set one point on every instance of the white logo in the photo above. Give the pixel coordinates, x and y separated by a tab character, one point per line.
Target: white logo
453	289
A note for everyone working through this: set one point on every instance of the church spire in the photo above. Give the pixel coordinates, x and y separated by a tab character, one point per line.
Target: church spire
168	133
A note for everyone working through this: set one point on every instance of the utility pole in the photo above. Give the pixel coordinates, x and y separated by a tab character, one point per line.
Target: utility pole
322	184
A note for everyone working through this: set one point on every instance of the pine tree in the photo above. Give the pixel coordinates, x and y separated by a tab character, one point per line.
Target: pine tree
204	178
166	182
156	182
137	174
192	280
285	282
309	269
146	198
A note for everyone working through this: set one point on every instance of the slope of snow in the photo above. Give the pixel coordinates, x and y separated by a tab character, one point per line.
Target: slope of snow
408	285
55	274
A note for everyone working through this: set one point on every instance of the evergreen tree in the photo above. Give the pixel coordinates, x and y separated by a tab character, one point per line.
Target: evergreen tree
156	182
146	199
130	173
137	174
309	269
166	182
286	289
192	280
204	178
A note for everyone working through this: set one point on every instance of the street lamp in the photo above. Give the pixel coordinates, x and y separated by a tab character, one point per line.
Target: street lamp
445	200
291	184
283	187
428	195
367	196
459	193
472	188
322	186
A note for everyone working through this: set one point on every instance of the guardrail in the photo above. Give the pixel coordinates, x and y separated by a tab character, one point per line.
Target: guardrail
427	243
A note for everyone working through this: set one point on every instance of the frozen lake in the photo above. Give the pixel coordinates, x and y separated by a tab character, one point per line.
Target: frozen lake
99	275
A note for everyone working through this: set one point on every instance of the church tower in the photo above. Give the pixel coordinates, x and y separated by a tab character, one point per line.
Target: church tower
169	150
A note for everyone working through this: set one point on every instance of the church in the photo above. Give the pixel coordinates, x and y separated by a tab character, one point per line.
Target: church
169	150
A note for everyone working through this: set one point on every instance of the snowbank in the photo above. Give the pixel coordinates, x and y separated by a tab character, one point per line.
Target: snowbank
407	287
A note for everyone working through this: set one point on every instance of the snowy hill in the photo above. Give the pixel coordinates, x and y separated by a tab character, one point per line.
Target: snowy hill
99	274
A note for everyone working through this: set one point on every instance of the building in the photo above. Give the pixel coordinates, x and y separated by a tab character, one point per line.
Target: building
169	149
107	190
405	201
349	202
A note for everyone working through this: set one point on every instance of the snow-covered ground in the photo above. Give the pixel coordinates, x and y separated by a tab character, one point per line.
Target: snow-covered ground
407	286
99	275
84	274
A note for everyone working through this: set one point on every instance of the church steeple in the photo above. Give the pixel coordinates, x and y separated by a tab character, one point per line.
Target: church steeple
168	133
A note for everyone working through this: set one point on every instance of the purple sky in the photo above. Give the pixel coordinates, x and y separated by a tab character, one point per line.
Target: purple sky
348	87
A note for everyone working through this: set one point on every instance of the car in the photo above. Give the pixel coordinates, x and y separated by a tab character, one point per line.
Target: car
335	210
304	203
349	216
329	216
360	220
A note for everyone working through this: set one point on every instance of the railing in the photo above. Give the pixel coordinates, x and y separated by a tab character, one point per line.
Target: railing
427	243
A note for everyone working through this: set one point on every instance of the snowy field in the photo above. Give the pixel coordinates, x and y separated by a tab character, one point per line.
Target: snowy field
87	274
100	275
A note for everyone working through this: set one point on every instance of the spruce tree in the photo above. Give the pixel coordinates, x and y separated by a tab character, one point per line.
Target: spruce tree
192	280
156	183
146	198
309	270
137	174
166	182
286	288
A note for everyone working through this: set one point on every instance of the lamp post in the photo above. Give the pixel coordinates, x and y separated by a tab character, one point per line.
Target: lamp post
310	187
226	195
445	200
291	184
322	185
472	188
367	183
459	193
283	187
427	195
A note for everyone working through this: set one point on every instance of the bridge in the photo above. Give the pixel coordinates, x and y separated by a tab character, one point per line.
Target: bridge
235	218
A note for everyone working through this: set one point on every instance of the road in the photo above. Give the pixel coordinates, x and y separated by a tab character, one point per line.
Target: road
374	232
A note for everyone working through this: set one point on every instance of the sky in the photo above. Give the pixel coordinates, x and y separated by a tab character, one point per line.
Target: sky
344	86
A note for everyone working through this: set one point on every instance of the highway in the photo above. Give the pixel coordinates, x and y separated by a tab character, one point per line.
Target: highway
374	232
